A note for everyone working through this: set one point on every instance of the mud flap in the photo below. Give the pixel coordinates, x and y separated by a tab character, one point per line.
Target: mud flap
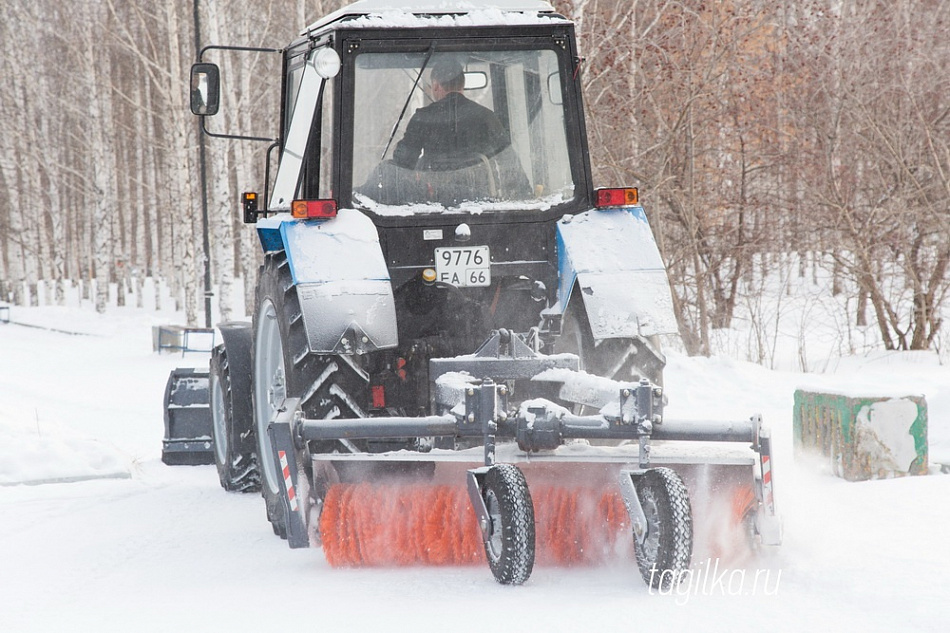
187	419
285	456
631	501
768	524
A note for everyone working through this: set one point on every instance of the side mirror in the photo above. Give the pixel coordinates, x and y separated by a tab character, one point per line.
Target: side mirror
554	89
475	80
205	89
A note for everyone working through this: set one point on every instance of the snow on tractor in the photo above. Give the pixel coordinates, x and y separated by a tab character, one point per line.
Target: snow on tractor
454	355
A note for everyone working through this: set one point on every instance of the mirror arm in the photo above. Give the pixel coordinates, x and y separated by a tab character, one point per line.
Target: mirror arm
236	137
250	49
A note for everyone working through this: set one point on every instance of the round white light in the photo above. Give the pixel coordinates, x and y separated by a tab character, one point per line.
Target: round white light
326	62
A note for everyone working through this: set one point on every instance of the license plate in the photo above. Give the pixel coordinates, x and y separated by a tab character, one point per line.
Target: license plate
467	266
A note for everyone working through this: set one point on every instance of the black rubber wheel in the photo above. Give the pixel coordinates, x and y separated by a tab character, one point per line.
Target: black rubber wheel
329	386
237	470
621	359
668	547
509	544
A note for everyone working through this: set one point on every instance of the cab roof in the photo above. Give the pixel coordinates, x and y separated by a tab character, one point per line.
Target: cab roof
428	13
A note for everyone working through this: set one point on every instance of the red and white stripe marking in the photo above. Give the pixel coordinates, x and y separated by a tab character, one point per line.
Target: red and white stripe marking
288	483
767	481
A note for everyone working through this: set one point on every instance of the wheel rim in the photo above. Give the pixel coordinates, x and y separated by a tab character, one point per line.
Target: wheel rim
494	517
270	387
651	544
218	420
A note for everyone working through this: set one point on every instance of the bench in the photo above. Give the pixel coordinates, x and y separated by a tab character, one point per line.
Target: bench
182	338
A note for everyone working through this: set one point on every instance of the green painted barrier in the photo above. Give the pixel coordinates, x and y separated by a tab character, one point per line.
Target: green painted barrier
865	438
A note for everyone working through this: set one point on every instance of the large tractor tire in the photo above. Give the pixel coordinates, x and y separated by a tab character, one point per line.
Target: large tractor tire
283	366
667	549
621	359
237	468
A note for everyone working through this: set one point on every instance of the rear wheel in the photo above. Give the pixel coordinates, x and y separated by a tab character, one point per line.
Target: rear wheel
667	548
328	386
237	470
510	540
622	359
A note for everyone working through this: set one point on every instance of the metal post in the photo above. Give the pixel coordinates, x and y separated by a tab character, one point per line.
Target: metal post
205	242
487	401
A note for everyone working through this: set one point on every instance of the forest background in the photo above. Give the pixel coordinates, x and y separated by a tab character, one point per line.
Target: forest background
773	142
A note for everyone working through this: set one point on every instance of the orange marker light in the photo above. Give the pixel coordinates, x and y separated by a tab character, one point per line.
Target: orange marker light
620	197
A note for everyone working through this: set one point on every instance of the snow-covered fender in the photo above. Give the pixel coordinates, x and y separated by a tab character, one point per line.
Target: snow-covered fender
611	256
343	285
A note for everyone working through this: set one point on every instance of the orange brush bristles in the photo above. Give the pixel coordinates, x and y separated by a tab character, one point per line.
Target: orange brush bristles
412	524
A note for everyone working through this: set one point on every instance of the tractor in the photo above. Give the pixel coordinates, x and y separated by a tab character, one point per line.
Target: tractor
452	319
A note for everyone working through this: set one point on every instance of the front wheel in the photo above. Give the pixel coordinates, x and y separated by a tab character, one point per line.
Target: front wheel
667	548
509	541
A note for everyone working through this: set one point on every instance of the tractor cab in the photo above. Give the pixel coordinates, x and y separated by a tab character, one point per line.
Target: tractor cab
435	114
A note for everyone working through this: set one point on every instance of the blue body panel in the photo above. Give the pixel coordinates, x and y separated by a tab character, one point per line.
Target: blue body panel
342	281
611	255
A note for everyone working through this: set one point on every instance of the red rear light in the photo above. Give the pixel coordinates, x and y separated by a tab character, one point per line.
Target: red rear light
379	396
303	209
624	197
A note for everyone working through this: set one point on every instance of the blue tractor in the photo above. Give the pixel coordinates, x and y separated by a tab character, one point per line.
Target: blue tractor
442	283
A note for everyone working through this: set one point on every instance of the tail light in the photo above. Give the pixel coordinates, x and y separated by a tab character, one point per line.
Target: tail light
303	209
379	396
623	197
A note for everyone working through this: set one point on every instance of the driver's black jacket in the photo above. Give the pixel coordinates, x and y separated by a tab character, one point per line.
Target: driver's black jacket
449	134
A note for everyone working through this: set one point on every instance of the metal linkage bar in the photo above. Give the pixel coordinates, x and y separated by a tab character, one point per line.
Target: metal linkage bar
385	428
539	428
706	431
504	356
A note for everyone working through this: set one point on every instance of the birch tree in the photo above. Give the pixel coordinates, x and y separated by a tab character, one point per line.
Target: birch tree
97	73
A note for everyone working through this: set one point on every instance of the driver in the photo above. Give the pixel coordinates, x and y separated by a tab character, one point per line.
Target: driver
453	131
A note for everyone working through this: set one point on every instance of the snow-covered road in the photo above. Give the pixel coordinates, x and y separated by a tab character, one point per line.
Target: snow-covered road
166	549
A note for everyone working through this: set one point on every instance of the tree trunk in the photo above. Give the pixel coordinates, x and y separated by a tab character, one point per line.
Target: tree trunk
181	173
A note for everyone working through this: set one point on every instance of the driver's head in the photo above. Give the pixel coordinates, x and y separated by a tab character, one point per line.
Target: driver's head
447	76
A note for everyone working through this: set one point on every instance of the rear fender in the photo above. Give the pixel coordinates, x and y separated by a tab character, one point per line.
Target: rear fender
611	257
343	284
238	336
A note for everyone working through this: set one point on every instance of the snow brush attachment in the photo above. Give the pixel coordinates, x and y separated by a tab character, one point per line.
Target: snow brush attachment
416	524
398	525
580	526
633	498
